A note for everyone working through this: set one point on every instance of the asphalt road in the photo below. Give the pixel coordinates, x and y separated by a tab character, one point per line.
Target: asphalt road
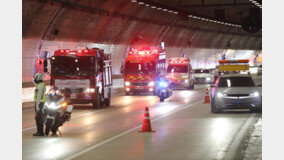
185	129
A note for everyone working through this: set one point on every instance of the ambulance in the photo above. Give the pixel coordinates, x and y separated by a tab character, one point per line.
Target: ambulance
180	73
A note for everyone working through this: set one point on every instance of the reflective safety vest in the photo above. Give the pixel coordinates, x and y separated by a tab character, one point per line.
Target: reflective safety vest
43	96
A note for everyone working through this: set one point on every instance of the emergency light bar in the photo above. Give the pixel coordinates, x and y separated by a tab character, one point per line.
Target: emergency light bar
134	52
233	67
78	52
178	61
234	61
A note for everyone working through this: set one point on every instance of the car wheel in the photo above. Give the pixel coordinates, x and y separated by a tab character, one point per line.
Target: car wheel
48	126
214	109
257	110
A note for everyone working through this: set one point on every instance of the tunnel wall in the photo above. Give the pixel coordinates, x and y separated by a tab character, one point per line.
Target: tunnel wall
200	57
116	25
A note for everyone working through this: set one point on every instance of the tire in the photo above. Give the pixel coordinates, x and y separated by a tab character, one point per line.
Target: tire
162	99
48	126
257	110
214	109
54	129
107	100
97	101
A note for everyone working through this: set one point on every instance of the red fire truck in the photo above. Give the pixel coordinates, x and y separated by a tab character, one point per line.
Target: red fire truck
84	76
141	68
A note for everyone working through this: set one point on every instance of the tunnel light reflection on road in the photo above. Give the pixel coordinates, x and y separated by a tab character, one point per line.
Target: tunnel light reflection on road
220	128
166	109
53	149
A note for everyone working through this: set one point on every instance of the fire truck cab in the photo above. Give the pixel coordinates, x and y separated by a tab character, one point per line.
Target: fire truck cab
179	71
141	68
83	76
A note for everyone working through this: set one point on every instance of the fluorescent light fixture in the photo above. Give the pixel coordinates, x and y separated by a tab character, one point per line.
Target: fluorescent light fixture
140	2
153	7
165	9
159	8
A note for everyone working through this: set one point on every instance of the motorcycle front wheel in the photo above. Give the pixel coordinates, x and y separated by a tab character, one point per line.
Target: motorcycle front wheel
162	98
48	126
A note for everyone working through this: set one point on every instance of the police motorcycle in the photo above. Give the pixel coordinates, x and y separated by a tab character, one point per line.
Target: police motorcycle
162	90
56	110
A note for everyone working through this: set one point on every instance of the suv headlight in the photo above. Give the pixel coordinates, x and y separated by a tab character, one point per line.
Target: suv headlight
151	84
255	94
219	95
127	83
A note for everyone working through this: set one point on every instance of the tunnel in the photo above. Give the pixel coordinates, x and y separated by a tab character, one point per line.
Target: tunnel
203	31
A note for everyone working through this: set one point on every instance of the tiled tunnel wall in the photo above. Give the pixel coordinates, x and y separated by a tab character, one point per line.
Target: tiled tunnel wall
200	58
116	25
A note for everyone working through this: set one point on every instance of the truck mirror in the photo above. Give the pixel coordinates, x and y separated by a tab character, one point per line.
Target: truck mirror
45	63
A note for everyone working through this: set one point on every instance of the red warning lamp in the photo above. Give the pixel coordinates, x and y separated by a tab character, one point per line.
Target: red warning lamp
86	51
67	51
61	51
79	51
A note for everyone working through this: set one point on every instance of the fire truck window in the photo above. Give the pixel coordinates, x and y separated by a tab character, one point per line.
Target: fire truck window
145	68
177	69
66	66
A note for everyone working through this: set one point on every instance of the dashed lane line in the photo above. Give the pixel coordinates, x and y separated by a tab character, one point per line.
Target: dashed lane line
81	115
124	133
237	140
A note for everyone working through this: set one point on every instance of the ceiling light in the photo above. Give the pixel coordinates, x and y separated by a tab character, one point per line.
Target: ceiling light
165	9
140	2
153	6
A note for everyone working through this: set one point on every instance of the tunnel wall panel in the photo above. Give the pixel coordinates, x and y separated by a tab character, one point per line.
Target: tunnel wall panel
200	58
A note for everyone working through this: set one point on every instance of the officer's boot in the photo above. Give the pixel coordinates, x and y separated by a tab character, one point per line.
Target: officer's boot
39	125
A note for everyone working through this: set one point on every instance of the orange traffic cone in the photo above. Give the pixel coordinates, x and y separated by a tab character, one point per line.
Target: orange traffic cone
146	122
207	97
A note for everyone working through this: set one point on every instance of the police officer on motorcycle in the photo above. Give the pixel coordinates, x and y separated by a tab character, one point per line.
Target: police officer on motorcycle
39	99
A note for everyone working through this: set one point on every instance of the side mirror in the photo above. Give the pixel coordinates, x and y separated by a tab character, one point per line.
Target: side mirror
45	70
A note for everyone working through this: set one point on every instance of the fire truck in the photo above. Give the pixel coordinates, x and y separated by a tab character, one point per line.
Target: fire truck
83	76
180	73
141	68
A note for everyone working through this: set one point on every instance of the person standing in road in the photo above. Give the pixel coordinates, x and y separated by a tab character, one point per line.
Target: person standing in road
39	99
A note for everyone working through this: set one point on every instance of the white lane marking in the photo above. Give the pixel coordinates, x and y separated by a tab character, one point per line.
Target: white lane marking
81	115
237	140
123	133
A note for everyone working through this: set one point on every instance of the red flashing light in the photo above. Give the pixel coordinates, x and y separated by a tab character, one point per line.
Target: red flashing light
178	61
79	51
61	51
67	51
86	51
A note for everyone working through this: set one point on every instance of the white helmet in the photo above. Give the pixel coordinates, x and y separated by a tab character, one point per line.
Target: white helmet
37	77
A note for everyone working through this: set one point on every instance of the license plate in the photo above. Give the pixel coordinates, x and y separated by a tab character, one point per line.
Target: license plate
73	96
69	108
238	101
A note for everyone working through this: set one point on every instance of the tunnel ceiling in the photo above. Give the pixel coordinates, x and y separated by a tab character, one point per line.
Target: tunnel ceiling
197	23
